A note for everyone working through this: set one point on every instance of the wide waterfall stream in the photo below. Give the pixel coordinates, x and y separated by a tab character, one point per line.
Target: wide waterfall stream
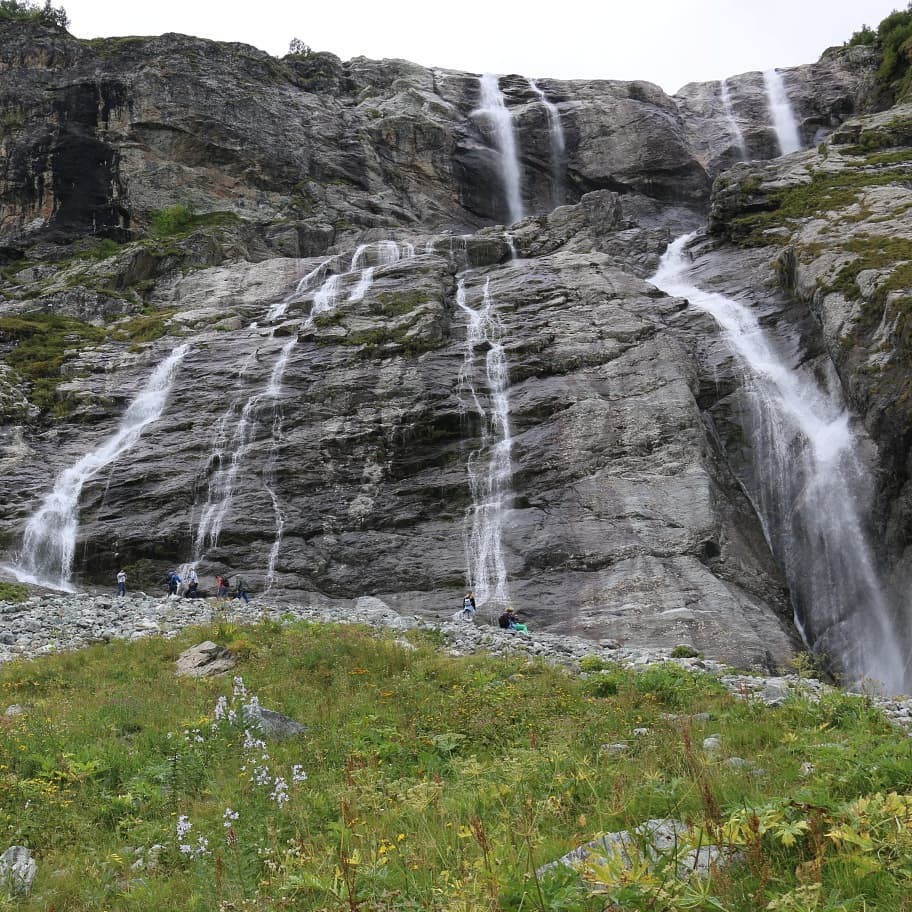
810	490
783	117
50	535
495	110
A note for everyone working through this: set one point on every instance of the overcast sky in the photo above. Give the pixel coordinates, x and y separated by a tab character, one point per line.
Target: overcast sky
669	43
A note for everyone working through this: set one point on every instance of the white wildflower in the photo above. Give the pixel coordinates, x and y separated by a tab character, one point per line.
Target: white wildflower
239	689
280	792
229	817
183	826
298	774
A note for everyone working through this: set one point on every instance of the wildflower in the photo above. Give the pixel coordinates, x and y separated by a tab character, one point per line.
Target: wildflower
229	817
251	743
280	792
298	774
183	826
261	775
221	709
239	689
202	847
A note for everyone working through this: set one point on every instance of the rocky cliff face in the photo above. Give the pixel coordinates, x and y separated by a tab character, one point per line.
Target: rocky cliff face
337	411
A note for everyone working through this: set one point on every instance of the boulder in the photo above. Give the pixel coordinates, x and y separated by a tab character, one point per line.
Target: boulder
204	660
17	870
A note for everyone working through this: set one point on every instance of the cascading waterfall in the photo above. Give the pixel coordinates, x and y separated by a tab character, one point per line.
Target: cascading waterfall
495	109
380	253
733	129
810	491
784	121
50	535
558	145
489	468
222	483
228	454
307	282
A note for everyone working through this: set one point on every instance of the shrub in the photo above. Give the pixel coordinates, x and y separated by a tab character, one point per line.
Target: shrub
684	652
27	11
172	220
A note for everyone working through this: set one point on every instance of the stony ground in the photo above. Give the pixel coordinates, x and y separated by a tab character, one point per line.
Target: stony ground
47	624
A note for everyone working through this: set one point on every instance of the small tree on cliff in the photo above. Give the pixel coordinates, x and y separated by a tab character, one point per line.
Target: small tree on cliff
28	11
298	48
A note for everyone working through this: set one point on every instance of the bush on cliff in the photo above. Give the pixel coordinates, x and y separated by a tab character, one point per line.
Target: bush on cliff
894	37
28	11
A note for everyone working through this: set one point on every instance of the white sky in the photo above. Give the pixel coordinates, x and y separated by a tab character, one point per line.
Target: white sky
663	41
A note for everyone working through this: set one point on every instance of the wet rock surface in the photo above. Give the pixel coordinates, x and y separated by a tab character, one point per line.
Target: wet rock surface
325	432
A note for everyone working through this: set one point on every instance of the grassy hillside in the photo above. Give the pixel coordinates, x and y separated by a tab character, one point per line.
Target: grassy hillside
428	782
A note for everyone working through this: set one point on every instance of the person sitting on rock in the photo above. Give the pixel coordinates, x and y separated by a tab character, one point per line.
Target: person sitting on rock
509	621
468	606
121	583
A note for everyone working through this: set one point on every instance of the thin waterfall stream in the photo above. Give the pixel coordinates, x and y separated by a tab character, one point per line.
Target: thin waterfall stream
49	543
734	129
558	145
810	489
489	467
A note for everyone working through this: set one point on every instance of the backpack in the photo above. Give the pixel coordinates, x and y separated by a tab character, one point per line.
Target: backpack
504	622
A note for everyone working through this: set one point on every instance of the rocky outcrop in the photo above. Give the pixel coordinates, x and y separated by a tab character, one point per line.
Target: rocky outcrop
823	95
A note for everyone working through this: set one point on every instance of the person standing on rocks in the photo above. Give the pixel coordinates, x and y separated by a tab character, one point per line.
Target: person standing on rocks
240	590
468	606
192	584
221	586
121	582
174	582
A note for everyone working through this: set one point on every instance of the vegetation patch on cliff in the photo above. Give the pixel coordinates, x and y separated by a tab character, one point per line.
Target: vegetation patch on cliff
39	345
433	783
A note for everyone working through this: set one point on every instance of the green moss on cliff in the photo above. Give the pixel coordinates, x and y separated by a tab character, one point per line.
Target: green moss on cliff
41	343
826	192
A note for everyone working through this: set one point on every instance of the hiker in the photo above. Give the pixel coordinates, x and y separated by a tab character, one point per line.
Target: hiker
192	584
121	583
221	587
174	582
509	621
468	606
240	590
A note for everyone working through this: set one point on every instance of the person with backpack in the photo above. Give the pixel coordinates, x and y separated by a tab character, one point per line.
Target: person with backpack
240	590
468	606
192	584
174	582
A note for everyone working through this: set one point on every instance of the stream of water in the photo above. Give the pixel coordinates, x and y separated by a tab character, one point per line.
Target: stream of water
810	489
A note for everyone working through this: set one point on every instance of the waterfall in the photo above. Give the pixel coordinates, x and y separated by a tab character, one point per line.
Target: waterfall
494	108
273	391
558	145
223	482
489	468
810	491
380	253
50	535
784	122
304	285
733	129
